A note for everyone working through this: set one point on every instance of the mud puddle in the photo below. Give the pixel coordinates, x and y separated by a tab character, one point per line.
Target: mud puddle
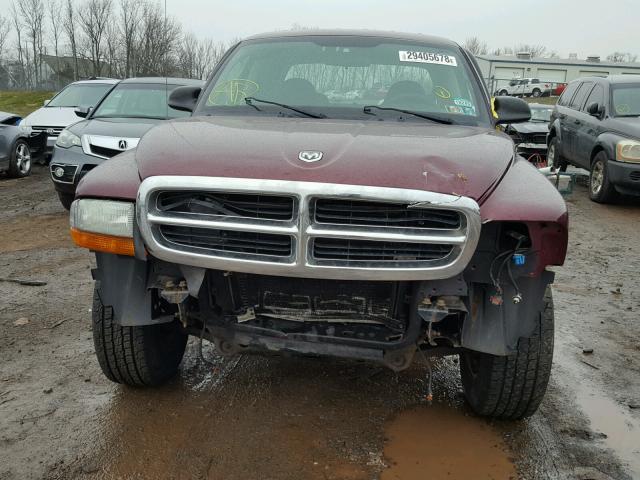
439	442
614	426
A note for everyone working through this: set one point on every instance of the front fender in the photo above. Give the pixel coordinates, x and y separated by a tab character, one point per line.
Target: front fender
607	141
526	196
117	178
554	131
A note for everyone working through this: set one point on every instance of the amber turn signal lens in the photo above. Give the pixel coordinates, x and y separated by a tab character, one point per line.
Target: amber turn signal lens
100	242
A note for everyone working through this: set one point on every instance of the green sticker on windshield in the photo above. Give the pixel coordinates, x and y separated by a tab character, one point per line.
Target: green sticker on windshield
232	92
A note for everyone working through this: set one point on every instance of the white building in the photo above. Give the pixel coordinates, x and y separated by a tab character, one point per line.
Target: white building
498	70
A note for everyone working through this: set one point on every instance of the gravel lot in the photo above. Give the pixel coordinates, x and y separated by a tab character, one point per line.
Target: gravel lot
257	417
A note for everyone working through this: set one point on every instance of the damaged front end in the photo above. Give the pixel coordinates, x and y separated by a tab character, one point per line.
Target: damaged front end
295	267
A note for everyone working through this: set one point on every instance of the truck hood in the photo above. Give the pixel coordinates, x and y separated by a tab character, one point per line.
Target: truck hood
449	159
626	126
52	117
114	127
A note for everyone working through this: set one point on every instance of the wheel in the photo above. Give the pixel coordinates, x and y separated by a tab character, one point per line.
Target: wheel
601	190
66	199
504	93
536	92
553	156
137	356
20	165
511	387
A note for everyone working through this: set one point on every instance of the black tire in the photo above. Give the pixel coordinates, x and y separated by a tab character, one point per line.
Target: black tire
536	92
138	356
21	160
66	199
503	93
554	159
601	189
511	387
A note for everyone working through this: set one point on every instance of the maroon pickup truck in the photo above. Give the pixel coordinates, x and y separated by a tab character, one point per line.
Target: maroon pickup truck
293	213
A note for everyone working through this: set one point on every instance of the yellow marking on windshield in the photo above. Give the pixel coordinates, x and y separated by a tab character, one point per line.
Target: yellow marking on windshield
232	92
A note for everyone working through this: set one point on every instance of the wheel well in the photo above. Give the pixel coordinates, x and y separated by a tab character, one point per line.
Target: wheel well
595	152
552	135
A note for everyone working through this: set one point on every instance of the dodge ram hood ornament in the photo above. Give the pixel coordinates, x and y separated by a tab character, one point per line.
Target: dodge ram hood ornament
310	156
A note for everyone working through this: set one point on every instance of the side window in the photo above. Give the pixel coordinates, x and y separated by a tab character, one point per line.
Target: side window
535	80
565	98
581	94
596	95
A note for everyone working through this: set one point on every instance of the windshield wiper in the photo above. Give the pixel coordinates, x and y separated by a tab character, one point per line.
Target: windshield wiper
367	109
249	100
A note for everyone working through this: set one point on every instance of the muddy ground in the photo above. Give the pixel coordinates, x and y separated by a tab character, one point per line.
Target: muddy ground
277	418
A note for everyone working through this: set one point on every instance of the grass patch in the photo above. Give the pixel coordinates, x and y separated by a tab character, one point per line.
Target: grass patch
22	103
543	100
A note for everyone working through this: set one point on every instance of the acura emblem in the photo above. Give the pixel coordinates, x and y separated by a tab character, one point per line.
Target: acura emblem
122	144
310	156
50	131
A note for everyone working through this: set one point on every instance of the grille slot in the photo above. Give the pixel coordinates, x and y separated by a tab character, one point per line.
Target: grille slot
635	175
229	241
381	214
343	250
104	151
243	205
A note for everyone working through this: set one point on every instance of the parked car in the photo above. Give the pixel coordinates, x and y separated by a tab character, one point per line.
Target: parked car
276	220
526	87
530	137
19	145
59	112
116	124
596	125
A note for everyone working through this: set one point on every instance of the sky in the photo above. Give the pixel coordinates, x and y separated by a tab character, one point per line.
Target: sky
585	27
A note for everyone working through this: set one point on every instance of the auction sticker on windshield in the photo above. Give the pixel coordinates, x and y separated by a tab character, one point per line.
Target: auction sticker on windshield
427	57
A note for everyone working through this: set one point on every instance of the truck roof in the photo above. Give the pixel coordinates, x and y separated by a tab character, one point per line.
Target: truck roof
411	37
169	80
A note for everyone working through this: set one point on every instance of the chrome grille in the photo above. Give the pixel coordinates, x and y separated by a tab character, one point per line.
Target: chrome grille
306	229
51	131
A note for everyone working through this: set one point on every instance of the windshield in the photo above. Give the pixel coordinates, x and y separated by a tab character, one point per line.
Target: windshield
80	95
138	100
626	100
541	114
337	77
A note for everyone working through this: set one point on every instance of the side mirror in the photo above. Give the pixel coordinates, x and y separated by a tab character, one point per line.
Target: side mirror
184	98
510	110
82	112
595	109
46	102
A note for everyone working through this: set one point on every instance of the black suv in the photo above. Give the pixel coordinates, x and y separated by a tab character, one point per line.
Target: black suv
596	125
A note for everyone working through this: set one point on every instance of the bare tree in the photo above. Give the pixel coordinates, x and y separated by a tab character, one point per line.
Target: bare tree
536	51
130	20
158	45
32	18
20	49
94	15
69	25
476	46
621	57
55	18
5	26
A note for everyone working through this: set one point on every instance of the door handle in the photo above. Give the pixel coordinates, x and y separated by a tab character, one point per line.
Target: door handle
562	116
577	122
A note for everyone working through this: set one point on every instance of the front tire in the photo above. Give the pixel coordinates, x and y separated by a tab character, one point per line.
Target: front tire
536	92
503	93
511	387
554	159
601	190
20	165
138	356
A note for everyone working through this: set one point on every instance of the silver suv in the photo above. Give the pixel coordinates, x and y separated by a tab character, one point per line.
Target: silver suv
59	112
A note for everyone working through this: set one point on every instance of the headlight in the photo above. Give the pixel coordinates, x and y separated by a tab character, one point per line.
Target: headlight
67	139
103	225
628	151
